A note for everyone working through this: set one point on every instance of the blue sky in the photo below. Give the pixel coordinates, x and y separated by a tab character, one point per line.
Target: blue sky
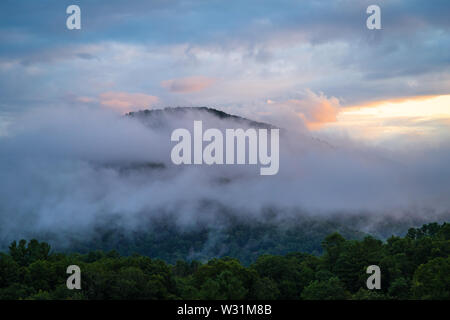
239	56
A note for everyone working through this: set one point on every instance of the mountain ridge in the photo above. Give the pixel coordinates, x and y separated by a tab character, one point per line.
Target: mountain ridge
205	110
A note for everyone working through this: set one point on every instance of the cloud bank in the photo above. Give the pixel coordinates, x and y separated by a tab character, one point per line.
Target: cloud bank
70	170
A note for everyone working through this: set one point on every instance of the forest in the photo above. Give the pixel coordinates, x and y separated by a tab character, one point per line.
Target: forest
416	266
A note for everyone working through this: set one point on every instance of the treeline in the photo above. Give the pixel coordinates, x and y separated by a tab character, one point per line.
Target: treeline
228	237
416	266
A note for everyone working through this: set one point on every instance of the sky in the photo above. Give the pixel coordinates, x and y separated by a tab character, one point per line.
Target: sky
301	63
367	111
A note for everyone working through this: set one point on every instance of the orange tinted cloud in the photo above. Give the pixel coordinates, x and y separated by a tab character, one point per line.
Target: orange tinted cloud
186	85
314	109
86	99
412	116
398	100
124	101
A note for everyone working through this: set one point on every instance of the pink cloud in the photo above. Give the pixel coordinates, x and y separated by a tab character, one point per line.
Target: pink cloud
85	99
186	85
124	101
314	110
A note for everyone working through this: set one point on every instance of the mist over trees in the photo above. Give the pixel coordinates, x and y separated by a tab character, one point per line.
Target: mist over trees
84	170
108	199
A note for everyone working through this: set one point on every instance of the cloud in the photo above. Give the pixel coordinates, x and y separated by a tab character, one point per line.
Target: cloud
86	56
270	49
81	168
315	110
187	85
86	99
308	109
396	121
260	51
124	101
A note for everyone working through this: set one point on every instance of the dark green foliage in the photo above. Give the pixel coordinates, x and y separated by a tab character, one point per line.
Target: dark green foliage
432	280
244	240
25	254
331	289
414	267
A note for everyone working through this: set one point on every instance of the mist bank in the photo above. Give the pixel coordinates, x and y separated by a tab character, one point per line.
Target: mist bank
68	172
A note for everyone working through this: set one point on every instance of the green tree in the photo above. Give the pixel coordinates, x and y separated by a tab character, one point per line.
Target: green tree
331	289
25	254
432	280
399	289
365	294
333	245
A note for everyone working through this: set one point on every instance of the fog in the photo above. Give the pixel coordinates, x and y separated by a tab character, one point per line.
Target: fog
69	170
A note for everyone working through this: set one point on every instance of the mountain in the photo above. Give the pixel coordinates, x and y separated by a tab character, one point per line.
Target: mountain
171	212
157	118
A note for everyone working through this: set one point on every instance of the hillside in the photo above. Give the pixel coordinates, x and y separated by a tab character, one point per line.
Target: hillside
157	118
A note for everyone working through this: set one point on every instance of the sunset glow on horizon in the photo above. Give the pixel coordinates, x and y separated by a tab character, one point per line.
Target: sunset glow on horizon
411	116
